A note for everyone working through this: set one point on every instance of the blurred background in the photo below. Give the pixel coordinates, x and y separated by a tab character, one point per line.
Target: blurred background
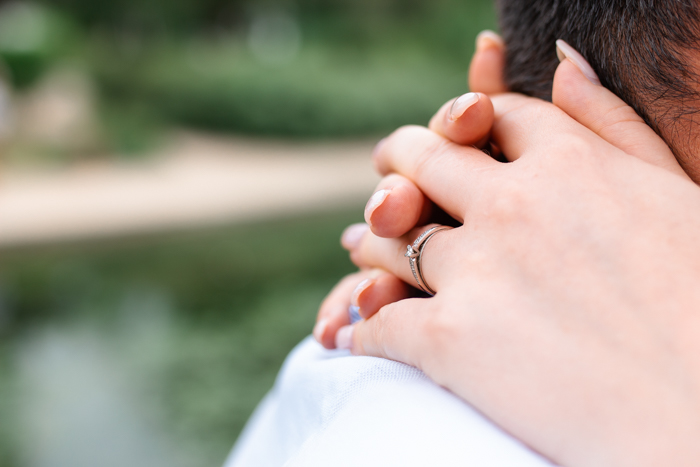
174	178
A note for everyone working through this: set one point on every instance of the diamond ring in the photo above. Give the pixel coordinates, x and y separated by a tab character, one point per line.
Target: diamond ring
414	253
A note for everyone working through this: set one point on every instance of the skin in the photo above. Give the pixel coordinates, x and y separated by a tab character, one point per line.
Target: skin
406	206
565	306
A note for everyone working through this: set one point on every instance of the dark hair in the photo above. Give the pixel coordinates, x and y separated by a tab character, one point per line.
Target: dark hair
639	48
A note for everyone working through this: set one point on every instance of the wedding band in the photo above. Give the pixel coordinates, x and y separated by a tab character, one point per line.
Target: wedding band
414	253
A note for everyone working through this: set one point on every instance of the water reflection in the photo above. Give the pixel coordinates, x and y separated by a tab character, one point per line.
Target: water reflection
154	353
79	407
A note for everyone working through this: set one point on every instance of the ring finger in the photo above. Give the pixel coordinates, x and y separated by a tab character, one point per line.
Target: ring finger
389	254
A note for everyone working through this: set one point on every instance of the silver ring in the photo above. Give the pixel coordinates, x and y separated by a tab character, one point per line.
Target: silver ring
414	253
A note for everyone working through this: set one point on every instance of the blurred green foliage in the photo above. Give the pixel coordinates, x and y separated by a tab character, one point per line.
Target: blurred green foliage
33	37
359	67
325	92
236	301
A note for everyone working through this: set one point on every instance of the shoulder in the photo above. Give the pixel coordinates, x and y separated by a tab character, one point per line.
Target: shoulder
331	407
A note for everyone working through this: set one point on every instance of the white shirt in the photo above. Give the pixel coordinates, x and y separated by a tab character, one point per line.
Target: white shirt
329	408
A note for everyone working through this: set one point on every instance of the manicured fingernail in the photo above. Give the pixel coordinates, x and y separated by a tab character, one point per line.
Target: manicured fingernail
462	104
488	40
353	236
565	51
320	329
374	202
361	287
343	340
378	148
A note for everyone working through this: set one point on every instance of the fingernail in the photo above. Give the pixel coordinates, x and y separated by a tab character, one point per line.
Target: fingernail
361	287
374	202
353	236
343	339
565	51
320	329
488	40
378	148
462	104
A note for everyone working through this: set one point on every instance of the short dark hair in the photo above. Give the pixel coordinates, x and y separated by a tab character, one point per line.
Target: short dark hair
639	48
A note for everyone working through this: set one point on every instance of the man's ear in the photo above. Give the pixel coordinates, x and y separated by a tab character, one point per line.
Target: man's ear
486	69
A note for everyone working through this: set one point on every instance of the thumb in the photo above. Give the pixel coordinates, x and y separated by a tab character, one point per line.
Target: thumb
578	92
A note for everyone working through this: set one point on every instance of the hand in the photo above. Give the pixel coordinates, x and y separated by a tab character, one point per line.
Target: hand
398	205
566	304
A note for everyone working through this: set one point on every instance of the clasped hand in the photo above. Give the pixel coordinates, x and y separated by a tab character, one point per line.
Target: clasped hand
567	306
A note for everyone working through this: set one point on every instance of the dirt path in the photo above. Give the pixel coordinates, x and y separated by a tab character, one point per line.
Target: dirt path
198	180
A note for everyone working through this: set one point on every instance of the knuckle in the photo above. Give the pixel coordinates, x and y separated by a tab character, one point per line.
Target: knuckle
403	136
578	148
421	144
372	339
426	156
408	131
517	108
440	330
571	152
511	202
388	339
381	330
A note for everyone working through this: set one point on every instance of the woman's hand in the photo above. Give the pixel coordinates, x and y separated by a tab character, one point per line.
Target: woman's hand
566	306
398	205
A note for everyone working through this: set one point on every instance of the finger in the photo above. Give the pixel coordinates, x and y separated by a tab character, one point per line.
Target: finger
396	207
393	214
397	332
333	313
373	293
435	165
352	236
466	120
488	63
388	254
577	91
529	126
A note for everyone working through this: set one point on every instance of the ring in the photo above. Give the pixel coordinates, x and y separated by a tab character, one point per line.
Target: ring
414	253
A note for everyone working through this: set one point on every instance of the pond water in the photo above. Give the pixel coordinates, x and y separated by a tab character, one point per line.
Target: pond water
154	351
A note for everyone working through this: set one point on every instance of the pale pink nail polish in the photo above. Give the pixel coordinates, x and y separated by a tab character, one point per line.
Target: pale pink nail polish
374	202
488	40
565	51
343	340
361	287
462	104
353	236
320	329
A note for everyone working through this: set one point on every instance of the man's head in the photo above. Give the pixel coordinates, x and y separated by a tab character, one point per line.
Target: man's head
645	51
